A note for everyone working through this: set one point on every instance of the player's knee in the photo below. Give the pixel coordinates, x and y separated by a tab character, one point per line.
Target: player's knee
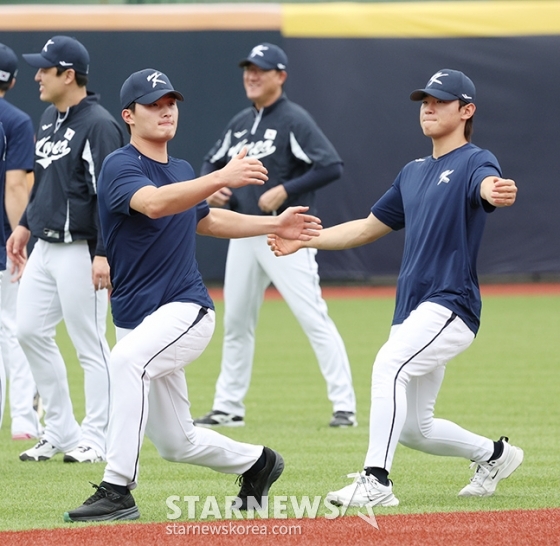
170	455
26	332
414	436
411	437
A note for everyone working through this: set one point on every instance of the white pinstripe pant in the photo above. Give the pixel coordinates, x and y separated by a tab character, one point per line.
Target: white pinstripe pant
406	379
149	396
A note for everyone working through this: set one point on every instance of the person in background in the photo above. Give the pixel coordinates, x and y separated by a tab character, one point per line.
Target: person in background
67	274
300	160
19	161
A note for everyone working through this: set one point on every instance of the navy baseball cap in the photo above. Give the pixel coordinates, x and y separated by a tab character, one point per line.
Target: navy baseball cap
8	64
447	84
61	51
267	57
145	87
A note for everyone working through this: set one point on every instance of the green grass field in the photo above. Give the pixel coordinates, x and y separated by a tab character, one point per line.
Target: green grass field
505	384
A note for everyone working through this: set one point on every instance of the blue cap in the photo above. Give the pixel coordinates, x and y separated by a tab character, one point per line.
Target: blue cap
61	51
8	64
267	57
145	87
447	84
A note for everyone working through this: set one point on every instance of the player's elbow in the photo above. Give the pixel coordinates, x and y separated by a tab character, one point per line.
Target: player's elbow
148	202
154	210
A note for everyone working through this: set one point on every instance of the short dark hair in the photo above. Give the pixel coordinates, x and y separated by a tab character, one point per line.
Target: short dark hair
5	86
81	79
469	123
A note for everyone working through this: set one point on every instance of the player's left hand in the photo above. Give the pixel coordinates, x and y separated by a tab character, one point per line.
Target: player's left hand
101	273
283	247
273	198
293	224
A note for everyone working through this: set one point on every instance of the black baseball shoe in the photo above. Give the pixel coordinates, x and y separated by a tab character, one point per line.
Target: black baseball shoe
254	488
216	418
343	419
104	505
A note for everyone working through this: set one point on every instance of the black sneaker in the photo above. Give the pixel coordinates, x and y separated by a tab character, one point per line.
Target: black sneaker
215	418
343	419
104	505
256	487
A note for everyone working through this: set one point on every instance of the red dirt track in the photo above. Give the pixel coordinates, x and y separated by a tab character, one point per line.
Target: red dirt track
517	528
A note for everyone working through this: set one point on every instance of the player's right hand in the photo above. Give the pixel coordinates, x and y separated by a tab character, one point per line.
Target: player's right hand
16	248
244	171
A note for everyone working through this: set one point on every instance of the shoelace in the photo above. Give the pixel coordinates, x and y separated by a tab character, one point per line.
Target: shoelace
368	483
101	493
482	471
361	478
245	484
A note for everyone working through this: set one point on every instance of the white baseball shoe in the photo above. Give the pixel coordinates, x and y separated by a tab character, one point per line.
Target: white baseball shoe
488	475
41	451
364	491
83	454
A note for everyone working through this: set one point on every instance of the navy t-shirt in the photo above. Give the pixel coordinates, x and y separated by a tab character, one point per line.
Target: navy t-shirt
439	203
152	261
20	143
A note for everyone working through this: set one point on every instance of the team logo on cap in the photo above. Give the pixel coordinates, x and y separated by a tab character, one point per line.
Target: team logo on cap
49	42
154	79
435	78
258	50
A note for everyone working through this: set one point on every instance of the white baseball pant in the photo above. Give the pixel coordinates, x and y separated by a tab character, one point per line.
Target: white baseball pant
407	375
2	382
149	396
21	384
56	284
250	268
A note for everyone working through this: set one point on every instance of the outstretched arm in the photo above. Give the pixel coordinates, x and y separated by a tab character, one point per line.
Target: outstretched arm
499	192
175	198
348	235
291	224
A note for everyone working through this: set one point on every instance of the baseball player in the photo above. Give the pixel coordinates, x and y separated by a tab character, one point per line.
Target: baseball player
150	209
300	160
67	274
443	201
19	161
2	264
